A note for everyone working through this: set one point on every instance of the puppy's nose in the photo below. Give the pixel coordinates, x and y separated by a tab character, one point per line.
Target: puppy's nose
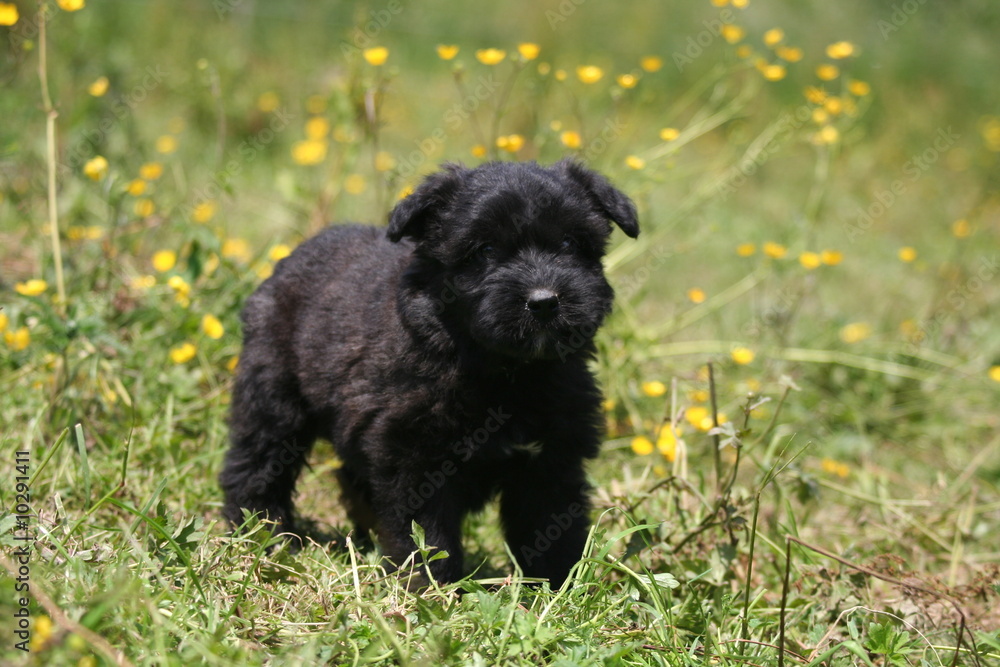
543	304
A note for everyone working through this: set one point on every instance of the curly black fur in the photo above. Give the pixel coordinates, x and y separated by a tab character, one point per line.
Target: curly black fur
445	358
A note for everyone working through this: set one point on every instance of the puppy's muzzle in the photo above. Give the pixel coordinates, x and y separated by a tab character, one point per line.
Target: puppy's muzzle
543	304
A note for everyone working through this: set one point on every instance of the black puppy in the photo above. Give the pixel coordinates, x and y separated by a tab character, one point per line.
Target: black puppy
445	359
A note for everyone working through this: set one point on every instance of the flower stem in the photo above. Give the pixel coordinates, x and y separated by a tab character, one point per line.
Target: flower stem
50	159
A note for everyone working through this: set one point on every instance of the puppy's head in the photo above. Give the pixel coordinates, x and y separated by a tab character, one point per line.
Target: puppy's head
511	252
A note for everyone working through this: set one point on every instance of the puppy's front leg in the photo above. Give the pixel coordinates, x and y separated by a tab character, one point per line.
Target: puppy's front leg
545	512
411	495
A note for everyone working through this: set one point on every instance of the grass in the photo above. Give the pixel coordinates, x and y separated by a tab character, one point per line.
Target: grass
828	492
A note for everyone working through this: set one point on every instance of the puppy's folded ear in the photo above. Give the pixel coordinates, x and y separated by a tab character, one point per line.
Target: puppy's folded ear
411	215
608	199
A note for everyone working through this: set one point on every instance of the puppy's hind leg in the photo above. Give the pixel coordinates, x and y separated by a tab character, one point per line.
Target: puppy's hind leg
270	438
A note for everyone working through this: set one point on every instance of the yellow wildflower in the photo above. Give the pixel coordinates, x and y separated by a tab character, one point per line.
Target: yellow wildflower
746	249
744	51
827	72
528	50
820	116
994	373
907	254
268	101
774	250
143	282
635	162
233	363
740	4
827	135
183	353
570	139
447	51
355	184
478	150
236	249
151	171
17	340
136	187
651	63
642	446
696	414
669	133
653	388
810	260
698	395
742	355
792	54
96	168
279	252
70	5
42	633
859	88
831	257
8	13
855	332
490	56
815	95
589	73
4	321
560	75
376	55
99	87
696	295
32	287
627	80
511	143
774	72
384	161
164	260
840	50
308	152
666	441
166	143
317	128
732	33
144	208
961	229
212	327
773	36
204	211
835	468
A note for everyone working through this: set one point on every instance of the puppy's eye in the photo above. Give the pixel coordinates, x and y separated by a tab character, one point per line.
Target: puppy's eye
568	244
485	252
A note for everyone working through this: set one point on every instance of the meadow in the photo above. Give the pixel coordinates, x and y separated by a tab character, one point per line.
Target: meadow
802	373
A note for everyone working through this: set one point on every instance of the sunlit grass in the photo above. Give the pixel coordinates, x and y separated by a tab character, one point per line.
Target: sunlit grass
802	232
